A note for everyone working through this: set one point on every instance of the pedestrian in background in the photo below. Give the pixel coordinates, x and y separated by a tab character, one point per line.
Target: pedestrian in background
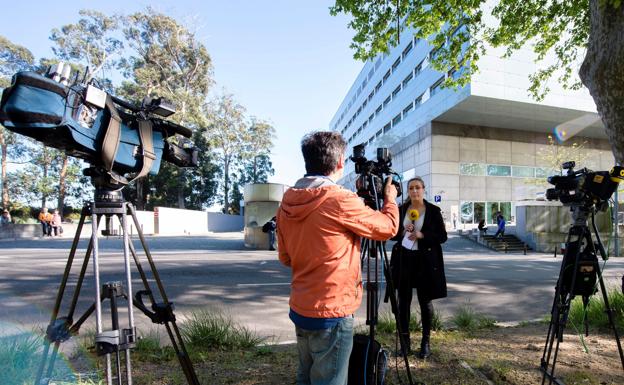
416	261
45	218
500	222
5	219
56	223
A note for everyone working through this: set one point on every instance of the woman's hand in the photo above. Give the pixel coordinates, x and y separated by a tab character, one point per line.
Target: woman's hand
412	236
409	228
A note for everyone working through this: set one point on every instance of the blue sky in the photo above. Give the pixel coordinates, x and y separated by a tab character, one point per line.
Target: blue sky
288	62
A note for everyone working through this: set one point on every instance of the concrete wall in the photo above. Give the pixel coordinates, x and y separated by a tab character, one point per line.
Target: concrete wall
219	222
261	203
169	221
545	225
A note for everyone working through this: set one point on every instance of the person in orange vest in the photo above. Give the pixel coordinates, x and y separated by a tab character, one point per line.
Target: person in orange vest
45	218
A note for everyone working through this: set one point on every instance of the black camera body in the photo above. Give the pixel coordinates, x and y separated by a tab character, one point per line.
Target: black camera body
370	182
584	187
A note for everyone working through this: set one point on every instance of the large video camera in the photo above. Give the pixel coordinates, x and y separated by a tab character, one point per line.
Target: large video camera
114	136
370	182
584	187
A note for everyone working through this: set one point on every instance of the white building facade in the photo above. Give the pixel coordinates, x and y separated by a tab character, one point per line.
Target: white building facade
479	149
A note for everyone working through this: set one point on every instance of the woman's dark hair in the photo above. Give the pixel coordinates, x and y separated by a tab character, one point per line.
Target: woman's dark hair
416	179
321	151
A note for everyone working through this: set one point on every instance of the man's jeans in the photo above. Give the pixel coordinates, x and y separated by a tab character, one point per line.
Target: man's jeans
324	354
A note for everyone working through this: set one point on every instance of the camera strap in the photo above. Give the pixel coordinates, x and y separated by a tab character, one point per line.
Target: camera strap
147	147
110	143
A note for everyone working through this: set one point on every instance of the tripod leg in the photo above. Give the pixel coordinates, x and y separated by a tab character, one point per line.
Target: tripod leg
171	326
610	314
57	305
126	241
395	309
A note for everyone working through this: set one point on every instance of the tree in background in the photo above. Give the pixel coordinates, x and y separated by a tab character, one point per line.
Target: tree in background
13	58
569	29
229	135
168	61
256	162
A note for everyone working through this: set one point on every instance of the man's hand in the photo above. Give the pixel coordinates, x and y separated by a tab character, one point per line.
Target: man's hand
390	192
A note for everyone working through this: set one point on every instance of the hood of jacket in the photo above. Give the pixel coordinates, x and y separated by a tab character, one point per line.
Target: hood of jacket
306	196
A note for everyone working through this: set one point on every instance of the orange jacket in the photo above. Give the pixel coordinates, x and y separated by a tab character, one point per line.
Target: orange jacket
319	230
45	217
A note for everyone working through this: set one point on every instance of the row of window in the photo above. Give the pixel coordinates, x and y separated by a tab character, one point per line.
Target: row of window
481	169
423	64
474	212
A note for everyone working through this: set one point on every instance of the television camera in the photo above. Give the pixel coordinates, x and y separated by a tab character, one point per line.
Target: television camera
372	174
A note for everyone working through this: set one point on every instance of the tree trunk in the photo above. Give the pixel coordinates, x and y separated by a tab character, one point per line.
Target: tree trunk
62	185
226	187
44	196
255	169
5	186
181	204
602	71
140	188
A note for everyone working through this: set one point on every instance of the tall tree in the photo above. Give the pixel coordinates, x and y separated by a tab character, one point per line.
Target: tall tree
169	62
256	162
228	133
568	29
13	58
90	42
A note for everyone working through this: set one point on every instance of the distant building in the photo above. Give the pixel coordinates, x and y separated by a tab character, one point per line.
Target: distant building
477	147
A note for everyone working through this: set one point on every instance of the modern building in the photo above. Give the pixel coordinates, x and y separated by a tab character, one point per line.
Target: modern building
479	149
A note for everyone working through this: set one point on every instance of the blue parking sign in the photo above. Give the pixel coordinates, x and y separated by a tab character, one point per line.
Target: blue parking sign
437	198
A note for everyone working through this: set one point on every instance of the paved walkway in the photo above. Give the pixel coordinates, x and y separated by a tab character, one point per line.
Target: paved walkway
217	272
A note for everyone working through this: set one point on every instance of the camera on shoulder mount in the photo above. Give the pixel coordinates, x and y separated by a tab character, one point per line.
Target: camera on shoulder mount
372	174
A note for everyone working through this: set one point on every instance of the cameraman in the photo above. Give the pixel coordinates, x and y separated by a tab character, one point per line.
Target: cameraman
319	226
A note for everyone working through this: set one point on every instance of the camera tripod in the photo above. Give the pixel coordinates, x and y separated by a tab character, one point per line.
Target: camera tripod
579	271
118	341
372	254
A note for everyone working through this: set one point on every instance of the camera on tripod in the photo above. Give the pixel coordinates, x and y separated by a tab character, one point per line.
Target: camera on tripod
113	135
584	187
370	181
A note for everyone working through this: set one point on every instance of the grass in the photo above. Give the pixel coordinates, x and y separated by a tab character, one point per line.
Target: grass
596	313
19	358
467	319
215	330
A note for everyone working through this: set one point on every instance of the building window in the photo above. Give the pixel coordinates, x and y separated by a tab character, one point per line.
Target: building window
370	118
396	91
378	134
436	87
418	101
473	212
386	76
364	103
407	109
543	172
407	49
495	170
477	169
378	86
396	64
385	103
370	96
418	69
363	126
378	110
396	120
377	64
522	172
407	79
386	128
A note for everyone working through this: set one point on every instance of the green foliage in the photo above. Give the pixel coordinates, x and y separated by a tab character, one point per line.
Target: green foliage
458	27
149	348
19	357
467	319
213	329
596	314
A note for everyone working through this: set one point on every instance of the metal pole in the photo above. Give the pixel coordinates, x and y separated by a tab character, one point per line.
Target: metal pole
126	252
617	224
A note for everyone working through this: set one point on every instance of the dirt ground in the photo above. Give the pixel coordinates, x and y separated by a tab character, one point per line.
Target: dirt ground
509	355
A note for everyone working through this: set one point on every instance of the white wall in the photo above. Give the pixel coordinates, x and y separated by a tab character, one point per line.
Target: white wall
169	221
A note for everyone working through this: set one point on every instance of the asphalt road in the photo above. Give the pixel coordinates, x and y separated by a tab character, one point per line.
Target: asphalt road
216	272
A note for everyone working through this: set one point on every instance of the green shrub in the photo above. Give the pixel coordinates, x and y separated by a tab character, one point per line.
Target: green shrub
212	329
19	358
596	313
467	319
149	348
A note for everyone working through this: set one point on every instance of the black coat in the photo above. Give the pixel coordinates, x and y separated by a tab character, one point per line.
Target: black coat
405	272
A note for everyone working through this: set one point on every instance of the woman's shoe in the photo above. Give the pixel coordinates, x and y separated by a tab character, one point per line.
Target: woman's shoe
425	350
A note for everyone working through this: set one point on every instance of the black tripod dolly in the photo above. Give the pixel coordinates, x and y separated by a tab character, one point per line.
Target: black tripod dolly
117	341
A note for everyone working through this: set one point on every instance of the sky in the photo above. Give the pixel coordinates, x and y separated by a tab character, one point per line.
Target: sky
287	62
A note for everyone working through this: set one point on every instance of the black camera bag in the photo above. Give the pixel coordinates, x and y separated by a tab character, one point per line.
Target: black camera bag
367	361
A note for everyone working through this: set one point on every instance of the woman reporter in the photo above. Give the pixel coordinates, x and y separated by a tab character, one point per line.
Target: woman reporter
417	261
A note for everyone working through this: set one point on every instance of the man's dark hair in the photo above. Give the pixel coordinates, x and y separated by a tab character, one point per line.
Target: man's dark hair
321	151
